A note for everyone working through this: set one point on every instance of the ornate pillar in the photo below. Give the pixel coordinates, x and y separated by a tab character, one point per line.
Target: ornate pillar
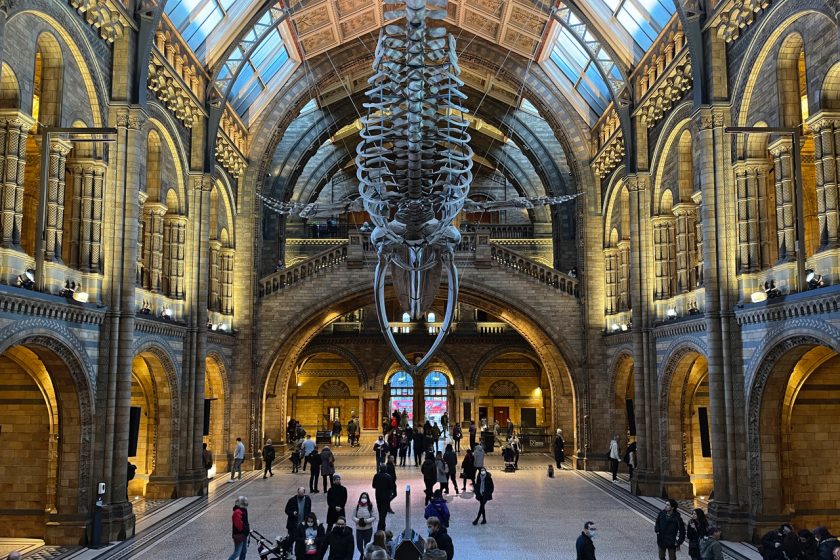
685	213
826	129
215	301
697	248
87	178
663	255
142	196
54	224
14	129
153	213
611	273
781	150
624	302
174	251
226	279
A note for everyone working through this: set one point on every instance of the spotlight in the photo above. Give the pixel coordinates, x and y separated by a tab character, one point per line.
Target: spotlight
758	297
624	327
814	280
27	279
166	314
615	327
81	296
223	327
671	313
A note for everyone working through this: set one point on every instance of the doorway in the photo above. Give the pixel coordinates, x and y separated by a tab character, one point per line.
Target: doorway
528	417
370	420
501	415
436	396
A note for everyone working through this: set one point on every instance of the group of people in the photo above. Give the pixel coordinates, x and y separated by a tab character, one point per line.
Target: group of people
785	543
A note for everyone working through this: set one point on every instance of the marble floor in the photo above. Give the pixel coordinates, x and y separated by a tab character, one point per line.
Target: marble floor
531	516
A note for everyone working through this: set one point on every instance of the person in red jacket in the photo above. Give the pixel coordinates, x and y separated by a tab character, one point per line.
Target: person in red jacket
241	528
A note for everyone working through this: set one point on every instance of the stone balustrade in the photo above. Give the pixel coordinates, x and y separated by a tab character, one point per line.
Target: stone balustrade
546	275
303	270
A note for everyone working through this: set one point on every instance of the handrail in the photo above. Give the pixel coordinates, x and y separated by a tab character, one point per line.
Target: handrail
542	273
303	270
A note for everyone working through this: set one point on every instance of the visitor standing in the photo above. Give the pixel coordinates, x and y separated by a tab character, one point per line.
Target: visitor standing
710	547
336	501
472	431
510	429
584	545
418	444
351	432
451	461
438	508
403	448
206	458
391	469
825	543
307	447
478	456
468	469
327	465
241	529
436	435
696	530
559	449
457	436
339	540
336	432
268	457
438	532
380	449
429	472
615	457
385	490
309	538
483	493
441	472
297	509
314	471
670	530
630	457
364	518
444	423
497	433
238	459
517	448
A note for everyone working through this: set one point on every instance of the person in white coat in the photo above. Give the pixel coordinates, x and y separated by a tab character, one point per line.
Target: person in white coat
615	457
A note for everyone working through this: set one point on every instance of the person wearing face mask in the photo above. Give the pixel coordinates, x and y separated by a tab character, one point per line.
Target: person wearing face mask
364	518
309	539
584	545
297	508
339	541
441	536
336	501
483	493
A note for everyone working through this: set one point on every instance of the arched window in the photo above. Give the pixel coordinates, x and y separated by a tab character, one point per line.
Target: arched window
402	394
435	395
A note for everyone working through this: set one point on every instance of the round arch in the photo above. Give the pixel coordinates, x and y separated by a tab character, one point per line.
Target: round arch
622	388
217	393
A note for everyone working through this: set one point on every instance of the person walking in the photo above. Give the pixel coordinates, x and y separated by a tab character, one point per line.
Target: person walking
364	518
336	432
710	547
478	456
419	446
584	546
403	450
670	530
314	471
451	460
309	538
559	449
472	431
457	436
268	457
483	493
295	456
308	447
441	472
336	501
436	435
380	449
517	448
444	424
206	458
385	490
339	540
438	532
327	465
696	529
297	508
497	433
438	508
238	459
391	469
468	469
511	429
825	543
241	529
429	471
615	457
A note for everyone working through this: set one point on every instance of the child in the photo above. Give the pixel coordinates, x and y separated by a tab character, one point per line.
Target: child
295	458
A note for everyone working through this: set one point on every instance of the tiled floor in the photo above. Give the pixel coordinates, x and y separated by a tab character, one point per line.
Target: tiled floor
531	515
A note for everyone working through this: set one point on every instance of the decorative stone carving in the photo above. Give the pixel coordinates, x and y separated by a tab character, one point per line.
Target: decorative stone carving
334	389
736	16
104	16
781	150
56	176
14	129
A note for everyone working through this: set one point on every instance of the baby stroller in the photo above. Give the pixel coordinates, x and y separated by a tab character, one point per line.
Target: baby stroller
280	549
509	456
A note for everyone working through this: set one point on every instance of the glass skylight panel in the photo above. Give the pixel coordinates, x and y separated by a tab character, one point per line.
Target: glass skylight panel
574	62
643	19
196	19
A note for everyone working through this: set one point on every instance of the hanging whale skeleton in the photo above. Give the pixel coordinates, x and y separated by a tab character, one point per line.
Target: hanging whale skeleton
414	165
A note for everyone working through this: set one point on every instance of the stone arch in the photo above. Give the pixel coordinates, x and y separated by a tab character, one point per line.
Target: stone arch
504	388
495	353
64	374
351	358
791	79
217	388
48	81
830	91
683	370
153	165
685	174
9	88
161	124
155	374
622	384
669	145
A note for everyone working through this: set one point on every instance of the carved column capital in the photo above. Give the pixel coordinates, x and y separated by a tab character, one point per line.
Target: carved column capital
780	146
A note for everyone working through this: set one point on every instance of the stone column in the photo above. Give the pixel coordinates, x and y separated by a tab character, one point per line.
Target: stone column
226	279
153	213
685	213
174	251
142	196
663	255
215	301
611	273
88	177
781	150
54	224
14	129
826	129
697	198
624	302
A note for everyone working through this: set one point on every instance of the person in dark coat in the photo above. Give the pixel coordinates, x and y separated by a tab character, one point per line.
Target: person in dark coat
386	490
697	528
807	545
336	432
336	501
268	456
409	436
438	508
314	472
339	540
559	449
391	469
483	488
380	448
825	543
457	435
670	530
310	539
468	469
473	430
451	461
418	444
772	543
429	471
438	532
296	509
584	546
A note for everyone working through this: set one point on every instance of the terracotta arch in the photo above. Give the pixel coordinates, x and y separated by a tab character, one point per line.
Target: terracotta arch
217	388
351	358
495	353
622	383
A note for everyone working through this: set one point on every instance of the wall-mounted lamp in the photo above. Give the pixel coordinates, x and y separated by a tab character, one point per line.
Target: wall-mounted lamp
27	279
615	327
758	297
671	313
